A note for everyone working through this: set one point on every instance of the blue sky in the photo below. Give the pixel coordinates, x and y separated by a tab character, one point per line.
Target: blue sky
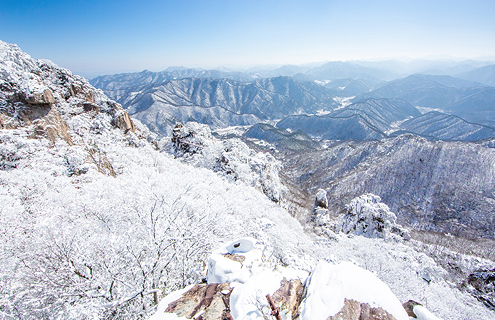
106	36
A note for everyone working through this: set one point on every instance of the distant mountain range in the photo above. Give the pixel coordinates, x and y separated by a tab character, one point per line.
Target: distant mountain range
469	100
320	107
217	102
485	75
441	126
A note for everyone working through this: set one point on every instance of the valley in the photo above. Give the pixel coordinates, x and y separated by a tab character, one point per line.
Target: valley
435	169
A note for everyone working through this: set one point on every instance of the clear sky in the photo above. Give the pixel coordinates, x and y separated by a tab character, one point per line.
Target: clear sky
93	37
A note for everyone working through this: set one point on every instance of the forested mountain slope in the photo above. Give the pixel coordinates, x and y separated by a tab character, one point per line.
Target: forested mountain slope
440	186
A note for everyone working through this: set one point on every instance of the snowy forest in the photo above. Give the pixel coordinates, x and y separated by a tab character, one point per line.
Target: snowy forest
103	218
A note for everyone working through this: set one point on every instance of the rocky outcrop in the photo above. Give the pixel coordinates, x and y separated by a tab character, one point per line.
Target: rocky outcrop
481	284
249	289
32	90
123	121
79	91
45	97
366	215
320	215
354	310
52	127
51	103
203	301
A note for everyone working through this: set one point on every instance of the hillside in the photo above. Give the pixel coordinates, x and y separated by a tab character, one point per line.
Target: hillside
446	127
438	186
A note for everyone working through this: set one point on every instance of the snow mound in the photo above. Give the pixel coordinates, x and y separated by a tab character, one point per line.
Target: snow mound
424	314
234	262
367	216
329	286
193	143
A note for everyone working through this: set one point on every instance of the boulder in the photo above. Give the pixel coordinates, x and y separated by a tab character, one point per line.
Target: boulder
45	97
416	311
354	310
123	121
78	91
331	286
203	301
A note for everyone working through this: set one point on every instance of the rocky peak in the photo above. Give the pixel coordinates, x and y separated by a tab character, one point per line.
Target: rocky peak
51	103
34	89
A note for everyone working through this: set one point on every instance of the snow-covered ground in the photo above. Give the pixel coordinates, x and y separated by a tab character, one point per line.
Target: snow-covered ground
344	102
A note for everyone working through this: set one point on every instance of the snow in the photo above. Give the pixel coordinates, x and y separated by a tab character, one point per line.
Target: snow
424	314
162	306
424	110
222	269
232	159
330	284
248	298
322	82
240	246
344	102
76	243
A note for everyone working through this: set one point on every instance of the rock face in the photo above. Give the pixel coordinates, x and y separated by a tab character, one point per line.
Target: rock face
354	310
203	301
46	97
51	103
481	283
289	295
124	122
367	216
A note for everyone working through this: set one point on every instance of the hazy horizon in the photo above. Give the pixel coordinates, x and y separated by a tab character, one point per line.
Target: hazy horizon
106	37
